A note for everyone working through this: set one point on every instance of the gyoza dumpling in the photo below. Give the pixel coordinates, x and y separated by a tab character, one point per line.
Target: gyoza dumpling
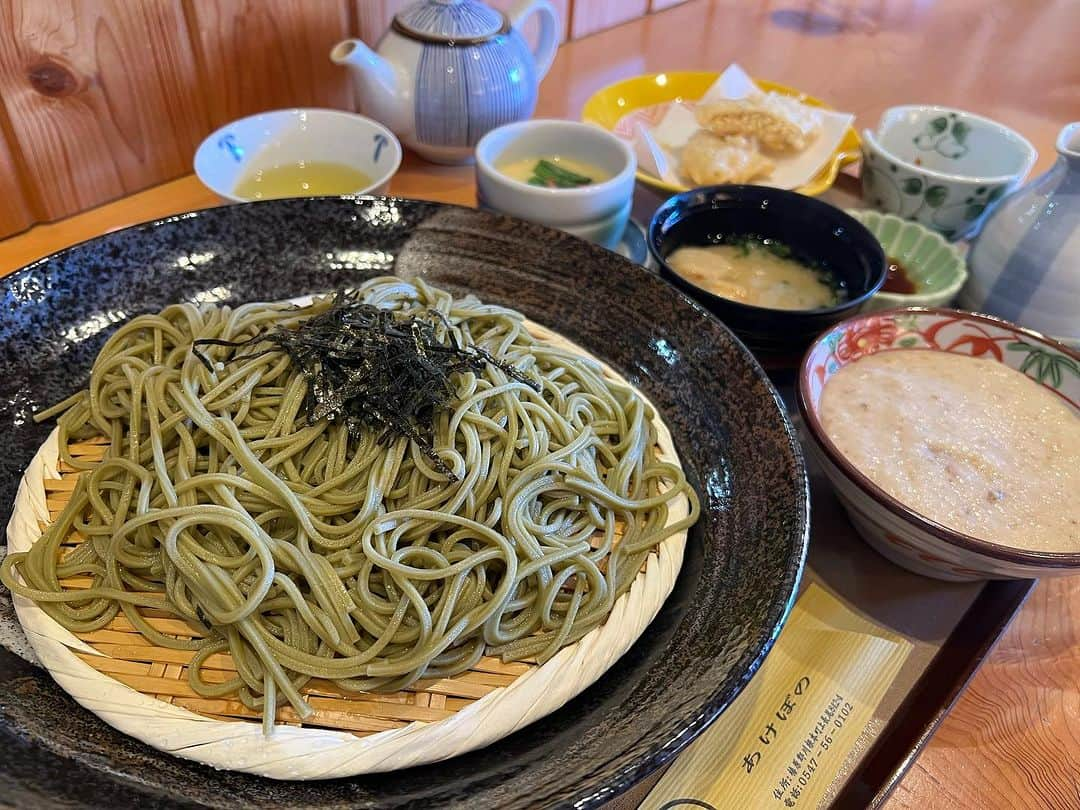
709	159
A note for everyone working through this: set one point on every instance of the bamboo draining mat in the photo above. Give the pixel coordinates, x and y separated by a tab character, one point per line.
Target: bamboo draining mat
162	673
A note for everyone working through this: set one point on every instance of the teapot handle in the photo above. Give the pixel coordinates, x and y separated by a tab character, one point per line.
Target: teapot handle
548	43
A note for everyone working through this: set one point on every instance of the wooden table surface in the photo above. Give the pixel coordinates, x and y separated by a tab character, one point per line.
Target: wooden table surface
1013	738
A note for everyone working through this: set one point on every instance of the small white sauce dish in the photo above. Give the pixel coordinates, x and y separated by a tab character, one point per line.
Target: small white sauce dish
596	212
942	167
281	137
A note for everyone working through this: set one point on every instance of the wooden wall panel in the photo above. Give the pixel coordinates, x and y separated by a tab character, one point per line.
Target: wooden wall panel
259	55
590	16
101	96
373	17
16	212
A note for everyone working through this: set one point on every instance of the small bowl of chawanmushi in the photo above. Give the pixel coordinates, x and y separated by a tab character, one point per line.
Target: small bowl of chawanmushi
776	267
924	270
575	177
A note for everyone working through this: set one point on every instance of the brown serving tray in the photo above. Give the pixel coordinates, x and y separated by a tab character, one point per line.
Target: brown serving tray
952	627
933	695
974	617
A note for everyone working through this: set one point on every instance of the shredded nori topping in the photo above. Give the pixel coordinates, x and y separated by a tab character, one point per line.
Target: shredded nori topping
372	368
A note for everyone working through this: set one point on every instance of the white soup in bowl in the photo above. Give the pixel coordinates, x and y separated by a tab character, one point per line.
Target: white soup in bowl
967	442
952	439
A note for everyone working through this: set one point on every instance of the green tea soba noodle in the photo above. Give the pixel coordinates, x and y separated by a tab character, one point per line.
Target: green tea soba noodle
307	549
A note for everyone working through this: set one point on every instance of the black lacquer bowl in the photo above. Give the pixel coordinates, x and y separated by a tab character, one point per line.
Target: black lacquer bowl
816	232
743	558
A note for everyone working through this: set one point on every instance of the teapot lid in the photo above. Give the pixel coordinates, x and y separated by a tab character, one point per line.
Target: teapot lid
464	22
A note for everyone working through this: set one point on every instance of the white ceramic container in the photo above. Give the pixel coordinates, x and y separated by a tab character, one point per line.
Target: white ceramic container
942	167
281	137
891	527
597	212
448	71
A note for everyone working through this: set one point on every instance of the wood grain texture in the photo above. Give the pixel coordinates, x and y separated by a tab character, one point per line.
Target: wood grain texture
1013	738
589	16
259	55
16	212
373	17
100	95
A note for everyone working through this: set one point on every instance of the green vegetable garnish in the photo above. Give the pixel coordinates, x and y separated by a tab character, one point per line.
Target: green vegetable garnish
552	175
778	249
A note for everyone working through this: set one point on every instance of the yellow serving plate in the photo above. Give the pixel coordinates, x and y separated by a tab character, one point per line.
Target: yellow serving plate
605	107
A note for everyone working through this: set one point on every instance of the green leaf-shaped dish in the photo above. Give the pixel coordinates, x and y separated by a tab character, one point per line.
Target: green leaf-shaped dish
935	266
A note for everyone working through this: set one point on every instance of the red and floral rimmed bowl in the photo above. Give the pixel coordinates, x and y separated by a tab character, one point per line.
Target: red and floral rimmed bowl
896	531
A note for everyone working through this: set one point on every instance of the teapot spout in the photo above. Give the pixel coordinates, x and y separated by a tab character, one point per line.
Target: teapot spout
376	80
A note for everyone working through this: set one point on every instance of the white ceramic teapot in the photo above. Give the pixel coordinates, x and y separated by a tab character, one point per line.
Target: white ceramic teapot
448	71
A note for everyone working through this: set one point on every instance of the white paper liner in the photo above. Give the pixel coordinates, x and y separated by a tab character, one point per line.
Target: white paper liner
310	753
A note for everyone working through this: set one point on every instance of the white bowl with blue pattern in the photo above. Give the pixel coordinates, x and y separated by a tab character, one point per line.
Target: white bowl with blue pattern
282	137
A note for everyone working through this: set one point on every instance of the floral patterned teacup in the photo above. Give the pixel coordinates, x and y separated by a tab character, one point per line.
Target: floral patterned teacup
941	167
888	525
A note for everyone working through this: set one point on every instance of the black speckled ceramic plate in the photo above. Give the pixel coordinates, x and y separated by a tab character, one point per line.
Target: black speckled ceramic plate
743	558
